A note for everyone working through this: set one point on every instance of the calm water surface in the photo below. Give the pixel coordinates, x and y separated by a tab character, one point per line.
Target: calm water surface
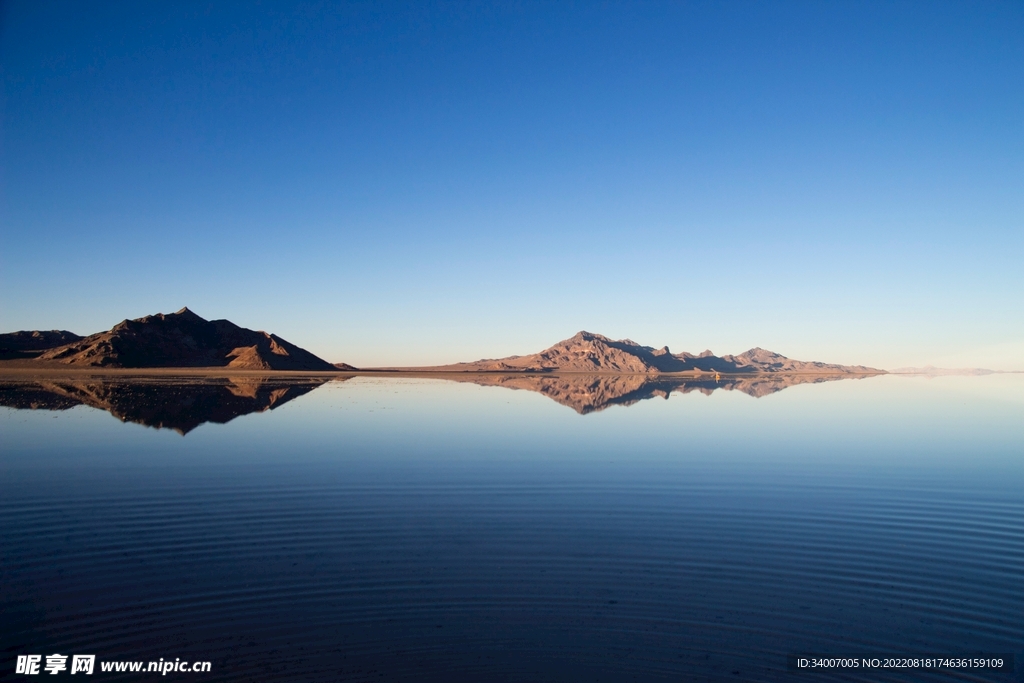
387	530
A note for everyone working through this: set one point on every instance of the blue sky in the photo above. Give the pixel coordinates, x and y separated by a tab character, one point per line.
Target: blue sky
432	182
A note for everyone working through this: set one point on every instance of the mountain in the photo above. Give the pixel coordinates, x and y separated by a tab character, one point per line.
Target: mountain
29	344
595	353
162	405
184	340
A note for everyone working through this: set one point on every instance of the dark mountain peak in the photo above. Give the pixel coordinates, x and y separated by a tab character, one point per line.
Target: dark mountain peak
184	320
184	339
184	315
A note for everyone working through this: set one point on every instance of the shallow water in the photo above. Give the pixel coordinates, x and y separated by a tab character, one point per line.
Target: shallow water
414	529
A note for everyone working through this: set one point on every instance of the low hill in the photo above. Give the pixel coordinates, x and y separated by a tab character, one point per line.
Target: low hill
184	340
587	352
30	343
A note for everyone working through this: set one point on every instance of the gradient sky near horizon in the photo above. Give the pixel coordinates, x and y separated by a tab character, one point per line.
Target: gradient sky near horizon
417	183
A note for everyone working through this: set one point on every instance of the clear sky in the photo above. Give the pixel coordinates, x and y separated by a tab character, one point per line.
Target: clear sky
432	182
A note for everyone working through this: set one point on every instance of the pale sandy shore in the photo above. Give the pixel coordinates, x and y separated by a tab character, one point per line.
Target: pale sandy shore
19	369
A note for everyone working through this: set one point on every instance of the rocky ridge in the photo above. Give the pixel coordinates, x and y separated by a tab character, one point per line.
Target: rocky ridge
594	353
184	340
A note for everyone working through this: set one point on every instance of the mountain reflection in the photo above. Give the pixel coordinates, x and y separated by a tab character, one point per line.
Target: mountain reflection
184	404
168	404
589	394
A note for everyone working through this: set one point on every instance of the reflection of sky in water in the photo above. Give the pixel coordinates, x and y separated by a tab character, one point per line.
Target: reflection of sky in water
694	536
963	423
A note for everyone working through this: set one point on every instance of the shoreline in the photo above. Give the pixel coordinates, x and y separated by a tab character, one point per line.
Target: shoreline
21	371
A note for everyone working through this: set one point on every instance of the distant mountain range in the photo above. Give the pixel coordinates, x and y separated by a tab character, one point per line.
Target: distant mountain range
175	340
185	340
587	352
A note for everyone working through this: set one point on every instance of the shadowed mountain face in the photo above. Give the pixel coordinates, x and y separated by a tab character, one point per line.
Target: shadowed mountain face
160	404
183	339
29	344
589	394
588	352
